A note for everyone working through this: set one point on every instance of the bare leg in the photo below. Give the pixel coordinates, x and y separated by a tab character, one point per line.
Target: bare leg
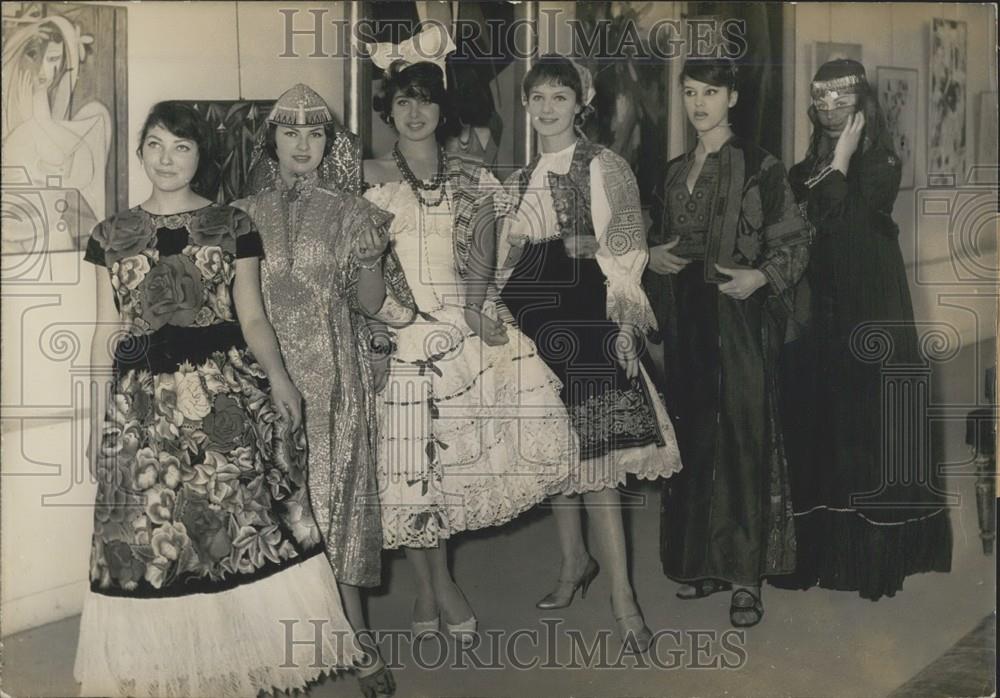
373	676
454	606
571	543
425	608
604	510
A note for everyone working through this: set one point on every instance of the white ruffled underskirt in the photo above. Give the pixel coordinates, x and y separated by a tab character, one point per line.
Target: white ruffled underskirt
229	644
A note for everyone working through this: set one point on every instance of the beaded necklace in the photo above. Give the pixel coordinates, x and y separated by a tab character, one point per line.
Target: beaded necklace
416	184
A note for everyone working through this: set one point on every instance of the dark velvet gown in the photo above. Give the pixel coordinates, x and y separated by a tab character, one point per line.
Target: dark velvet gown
868	504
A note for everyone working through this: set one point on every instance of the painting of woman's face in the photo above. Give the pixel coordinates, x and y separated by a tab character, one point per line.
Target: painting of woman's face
44	60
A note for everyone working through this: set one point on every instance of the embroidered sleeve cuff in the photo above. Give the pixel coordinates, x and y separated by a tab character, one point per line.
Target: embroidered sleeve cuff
628	305
775	278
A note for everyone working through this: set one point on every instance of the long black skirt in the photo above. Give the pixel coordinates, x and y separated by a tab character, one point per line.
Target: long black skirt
869	501
727	515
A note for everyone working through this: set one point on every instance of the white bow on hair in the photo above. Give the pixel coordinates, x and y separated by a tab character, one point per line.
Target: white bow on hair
432	45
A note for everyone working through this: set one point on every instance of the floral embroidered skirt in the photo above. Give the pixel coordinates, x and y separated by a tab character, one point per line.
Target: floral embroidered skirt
206	559
470	435
622	424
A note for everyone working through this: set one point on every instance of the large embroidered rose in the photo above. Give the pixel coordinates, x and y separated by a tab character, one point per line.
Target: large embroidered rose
160	505
169	540
172	293
124	566
225	425
129	272
126	234
192	401
213	227
206	527
210	262
147	469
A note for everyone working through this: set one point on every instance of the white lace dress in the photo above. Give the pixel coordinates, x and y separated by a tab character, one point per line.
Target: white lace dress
470	435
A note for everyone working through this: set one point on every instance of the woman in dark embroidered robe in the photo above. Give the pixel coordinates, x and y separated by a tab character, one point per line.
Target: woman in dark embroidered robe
731	245
204	539
575	253
860	528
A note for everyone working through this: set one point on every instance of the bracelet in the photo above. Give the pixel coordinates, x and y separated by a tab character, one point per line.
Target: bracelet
370	267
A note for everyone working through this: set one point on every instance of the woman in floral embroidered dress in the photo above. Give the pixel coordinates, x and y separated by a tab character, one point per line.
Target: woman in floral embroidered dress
325	269
472	431
204	541
575	252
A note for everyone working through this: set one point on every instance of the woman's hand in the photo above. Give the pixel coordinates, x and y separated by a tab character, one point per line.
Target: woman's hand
663	261
626	350
848	141
743	284
491	331
287	401
371	244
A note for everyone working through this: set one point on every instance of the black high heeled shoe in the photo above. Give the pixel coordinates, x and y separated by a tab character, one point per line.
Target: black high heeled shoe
560	598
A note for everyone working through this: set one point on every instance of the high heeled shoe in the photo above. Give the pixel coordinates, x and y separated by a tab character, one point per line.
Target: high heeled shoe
464	632
555	599
636	635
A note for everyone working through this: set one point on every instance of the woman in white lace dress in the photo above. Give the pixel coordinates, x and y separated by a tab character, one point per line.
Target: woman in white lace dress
472	429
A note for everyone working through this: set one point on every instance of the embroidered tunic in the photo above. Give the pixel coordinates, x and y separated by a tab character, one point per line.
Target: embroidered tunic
309	277
728	516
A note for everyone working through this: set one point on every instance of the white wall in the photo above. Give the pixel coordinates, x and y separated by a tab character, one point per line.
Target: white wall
175	51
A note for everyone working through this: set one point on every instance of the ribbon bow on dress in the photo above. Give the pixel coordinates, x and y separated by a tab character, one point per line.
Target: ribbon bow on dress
432	45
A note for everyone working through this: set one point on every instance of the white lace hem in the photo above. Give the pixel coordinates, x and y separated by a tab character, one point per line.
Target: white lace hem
231	644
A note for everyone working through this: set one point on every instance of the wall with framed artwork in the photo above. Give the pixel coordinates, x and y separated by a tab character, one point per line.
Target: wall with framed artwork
898	93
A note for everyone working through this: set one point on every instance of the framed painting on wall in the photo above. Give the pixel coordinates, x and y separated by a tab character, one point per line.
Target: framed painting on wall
238	125
65	123
946	138
897	95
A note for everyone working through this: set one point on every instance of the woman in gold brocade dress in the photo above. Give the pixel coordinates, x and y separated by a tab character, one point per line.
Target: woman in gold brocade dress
326	270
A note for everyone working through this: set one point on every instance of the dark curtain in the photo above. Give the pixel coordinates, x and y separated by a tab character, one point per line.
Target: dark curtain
757	115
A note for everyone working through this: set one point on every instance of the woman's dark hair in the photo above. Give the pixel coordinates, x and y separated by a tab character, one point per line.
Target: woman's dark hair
184	122
423	81
720	72
271	150
553	69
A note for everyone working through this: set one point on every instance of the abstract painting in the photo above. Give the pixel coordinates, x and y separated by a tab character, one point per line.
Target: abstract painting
65	123
238	126
897	95
946	111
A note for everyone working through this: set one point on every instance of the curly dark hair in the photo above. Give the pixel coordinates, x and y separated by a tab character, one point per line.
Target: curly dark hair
184	121
423	81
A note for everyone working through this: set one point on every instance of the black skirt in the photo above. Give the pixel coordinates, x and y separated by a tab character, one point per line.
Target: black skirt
560	302
727	515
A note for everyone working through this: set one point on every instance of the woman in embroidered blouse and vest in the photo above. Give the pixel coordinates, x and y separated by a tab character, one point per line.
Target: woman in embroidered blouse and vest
204	539
575	251
731	244
472	432
326	269
858	530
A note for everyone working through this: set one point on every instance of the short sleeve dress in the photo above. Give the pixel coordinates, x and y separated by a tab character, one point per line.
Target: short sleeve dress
204	540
